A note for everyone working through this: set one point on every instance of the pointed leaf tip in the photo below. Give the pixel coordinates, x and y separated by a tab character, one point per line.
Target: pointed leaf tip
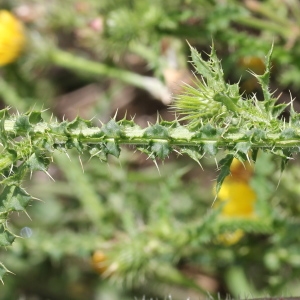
225	164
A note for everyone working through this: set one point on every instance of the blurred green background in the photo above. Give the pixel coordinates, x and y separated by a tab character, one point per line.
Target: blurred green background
123	229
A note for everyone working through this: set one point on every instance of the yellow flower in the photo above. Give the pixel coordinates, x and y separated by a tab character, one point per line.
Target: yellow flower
231	238
99	262
239	198
12	38
236	191
240	171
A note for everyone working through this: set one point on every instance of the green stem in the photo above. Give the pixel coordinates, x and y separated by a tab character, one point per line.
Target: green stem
266	11
81	65
173	276
263	25
8	93
181	137
82	188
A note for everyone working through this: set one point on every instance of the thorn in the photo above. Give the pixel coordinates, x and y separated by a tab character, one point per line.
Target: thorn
68	156
81	164
26	213
49	175
45	109
200	164
11	169
248	159
37	199
157	166
132	117
115	116
157	118
216	163
214	200
178	152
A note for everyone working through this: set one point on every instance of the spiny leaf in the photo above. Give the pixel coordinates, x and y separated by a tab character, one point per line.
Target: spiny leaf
254	154
3	271
22	124
195	153
112	129
278	109
211	70
156	131
34	117
161	150
13	198
6	238
79	124
38	162
3	138
207	131
60	128
210	148
225	164
229	102
112	148
243	147
264	81
288	133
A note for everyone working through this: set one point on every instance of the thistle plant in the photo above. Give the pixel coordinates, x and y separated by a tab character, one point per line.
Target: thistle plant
212	116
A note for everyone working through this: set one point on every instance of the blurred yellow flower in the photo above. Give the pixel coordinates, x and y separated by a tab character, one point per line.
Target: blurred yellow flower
12	37
231	238
99	262
239	198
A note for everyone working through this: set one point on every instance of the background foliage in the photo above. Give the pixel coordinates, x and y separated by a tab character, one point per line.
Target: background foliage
122	229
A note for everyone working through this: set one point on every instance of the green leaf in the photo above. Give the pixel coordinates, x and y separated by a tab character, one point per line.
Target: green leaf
35	117
75	143
207	131
60	128
13	198
38	162
3	271
256	134
161	150
288	133
156	131
112	149
79	124
264	81
278	109
3	136
200	65
229	102
243	147
210	148
22	124
97	150
6	239
112	129
254	154
195	153
225	164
